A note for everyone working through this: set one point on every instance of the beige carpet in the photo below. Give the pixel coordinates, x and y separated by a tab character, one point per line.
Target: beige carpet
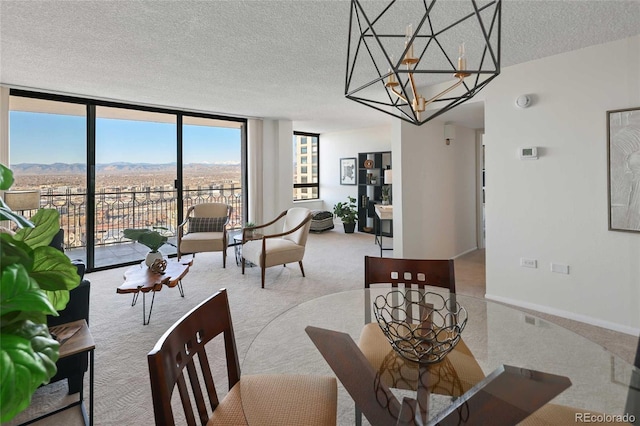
333	262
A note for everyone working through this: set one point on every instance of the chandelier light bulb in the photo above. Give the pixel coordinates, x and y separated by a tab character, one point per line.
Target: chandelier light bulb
462	58
407	42
408	33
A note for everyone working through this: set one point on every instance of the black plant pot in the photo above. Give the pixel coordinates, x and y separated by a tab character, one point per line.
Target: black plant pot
349	227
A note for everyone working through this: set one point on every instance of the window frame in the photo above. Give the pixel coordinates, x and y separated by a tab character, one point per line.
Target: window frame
91	104
316	153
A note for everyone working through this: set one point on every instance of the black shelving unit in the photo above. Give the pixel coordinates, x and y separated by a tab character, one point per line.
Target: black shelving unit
370	183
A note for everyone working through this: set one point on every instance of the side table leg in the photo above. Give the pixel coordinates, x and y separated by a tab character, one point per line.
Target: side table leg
145	319
180	288
88	420
91	359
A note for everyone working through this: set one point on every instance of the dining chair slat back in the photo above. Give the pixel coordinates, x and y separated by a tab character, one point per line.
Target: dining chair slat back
260	399
409	272
179	348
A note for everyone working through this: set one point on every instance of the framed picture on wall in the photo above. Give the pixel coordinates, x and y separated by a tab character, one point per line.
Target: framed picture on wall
623	157
348	171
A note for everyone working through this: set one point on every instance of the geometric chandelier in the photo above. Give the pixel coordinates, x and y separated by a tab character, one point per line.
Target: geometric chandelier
416	60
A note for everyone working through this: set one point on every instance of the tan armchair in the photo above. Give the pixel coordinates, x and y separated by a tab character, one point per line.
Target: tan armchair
206	230
278	249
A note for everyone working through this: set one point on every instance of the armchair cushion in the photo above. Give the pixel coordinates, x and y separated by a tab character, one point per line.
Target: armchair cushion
280	251
198	242
207	224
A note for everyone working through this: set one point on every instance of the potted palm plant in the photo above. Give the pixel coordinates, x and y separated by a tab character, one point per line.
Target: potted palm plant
347	213
150	238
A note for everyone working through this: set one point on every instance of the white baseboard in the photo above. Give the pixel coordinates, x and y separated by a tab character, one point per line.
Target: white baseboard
465	252
566	314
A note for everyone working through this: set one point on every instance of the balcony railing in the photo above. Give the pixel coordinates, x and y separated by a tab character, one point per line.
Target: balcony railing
118	209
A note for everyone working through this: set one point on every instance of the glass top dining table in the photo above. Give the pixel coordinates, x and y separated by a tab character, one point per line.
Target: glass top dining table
496	334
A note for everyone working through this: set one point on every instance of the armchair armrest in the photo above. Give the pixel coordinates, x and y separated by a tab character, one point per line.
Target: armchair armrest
291	231
229	211
186	217
244	230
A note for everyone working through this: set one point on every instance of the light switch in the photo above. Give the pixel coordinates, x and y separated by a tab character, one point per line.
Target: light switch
560	268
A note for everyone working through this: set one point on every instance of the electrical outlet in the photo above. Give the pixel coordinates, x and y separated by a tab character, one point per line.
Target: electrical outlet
560	268
528	263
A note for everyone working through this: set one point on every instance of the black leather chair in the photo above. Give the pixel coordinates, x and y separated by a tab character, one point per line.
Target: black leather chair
72	367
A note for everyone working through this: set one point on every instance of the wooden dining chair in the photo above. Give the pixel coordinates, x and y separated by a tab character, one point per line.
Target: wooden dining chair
269	400
458	372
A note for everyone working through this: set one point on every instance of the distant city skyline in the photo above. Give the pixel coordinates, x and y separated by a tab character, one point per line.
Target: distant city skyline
55	138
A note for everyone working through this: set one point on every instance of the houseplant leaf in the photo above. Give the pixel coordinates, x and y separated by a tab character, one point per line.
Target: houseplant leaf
7	214
19	292
14	252
28	358
150	238
54	273
6	177
27	352
46	225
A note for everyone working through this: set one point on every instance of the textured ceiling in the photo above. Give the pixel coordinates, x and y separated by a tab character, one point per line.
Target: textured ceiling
272	59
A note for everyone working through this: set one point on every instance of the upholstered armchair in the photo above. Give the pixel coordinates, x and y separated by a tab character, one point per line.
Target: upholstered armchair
278	249
205	229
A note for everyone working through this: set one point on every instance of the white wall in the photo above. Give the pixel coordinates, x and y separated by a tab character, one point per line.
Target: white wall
433	184
277	168
554	209
4	125
434	191
336	145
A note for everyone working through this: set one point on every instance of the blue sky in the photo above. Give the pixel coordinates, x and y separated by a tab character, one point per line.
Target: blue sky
53	138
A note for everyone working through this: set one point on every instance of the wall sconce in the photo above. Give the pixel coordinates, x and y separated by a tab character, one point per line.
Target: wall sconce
22	200
449	133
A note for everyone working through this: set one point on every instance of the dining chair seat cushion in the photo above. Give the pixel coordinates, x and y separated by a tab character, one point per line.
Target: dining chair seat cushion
197	242
229	412
280	251
554	414
275	400
453	376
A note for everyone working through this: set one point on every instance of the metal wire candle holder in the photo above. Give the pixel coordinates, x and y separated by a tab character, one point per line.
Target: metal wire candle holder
421	326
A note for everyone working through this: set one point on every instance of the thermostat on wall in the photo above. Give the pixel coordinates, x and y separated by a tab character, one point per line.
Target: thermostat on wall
530	153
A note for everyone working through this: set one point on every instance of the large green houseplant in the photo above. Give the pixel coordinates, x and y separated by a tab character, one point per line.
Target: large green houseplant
348	213
35	281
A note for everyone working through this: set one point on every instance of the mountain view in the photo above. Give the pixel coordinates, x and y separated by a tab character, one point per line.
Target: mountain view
123	175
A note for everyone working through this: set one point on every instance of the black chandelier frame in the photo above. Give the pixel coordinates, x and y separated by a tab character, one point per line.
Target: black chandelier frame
395	105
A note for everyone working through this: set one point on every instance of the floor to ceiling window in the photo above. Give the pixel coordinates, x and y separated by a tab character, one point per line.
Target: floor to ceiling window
212	166
107	166
48	153
135	177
